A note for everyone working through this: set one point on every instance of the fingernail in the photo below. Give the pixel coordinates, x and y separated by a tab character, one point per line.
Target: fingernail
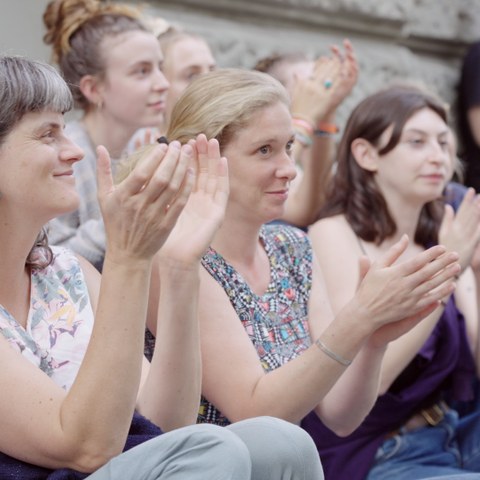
187	149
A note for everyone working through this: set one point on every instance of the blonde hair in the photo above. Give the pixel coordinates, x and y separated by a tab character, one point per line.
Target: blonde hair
76	30
128	164
218	104
222	102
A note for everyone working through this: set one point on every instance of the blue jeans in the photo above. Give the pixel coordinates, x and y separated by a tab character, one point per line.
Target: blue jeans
450	450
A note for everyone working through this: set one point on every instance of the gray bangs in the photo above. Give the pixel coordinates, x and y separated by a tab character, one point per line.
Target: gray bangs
29	86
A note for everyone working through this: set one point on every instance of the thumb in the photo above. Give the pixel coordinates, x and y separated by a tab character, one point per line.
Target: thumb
394	252
447	221
364	265
104	172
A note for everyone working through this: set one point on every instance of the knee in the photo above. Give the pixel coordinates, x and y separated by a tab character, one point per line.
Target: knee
277	442
224	449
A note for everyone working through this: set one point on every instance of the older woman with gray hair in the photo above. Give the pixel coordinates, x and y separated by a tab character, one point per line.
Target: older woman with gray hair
71	344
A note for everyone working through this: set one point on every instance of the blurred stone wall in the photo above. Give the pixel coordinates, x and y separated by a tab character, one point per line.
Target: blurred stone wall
416	40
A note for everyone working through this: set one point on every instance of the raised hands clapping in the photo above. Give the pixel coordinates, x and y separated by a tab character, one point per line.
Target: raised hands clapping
205	207
141	210
398	296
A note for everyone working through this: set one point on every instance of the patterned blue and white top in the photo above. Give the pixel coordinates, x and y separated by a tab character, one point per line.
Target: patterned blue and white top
277	321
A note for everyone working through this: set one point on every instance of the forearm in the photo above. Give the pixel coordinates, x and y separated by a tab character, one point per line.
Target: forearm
308	194
353	396
170	396
299	386
110	373
401	351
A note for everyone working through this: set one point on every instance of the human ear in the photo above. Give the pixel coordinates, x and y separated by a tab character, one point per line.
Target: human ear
90	88
365	154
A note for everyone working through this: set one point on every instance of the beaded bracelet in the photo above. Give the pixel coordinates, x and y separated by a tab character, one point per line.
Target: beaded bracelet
332	355
325	129
328	127
305	140
306	125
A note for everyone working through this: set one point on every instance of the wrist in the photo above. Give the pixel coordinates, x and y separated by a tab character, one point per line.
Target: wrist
175	269
127	262
326	129
303	131
375	348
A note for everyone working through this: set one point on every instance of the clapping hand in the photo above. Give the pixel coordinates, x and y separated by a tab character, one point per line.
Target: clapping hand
140	212
205	208
461	231
395	297
333	78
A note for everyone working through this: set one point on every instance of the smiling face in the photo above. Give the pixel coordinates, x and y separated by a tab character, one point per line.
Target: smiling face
419	166
260	164
134	90
36	160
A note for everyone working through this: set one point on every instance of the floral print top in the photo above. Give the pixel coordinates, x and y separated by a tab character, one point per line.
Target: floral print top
60	320
277	321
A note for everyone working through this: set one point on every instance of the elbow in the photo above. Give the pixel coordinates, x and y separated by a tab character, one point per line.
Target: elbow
94	456
383	386
175	423
339	422
344	430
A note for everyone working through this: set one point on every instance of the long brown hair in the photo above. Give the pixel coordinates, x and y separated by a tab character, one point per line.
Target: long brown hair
353	191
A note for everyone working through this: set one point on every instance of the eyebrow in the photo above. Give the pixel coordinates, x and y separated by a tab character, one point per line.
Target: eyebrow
47	125
423	132
270	140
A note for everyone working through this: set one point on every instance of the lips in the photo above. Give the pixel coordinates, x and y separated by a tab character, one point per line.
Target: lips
159	105
283	191
434	176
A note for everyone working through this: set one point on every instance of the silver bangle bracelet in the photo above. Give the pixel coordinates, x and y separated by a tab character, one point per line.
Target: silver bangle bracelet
332	355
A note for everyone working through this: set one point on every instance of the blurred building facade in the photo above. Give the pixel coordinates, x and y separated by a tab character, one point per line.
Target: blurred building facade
420	41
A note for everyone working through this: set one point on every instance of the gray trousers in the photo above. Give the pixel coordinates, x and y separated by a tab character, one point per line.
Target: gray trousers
262	448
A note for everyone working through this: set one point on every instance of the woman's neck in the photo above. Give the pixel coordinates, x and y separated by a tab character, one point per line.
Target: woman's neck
405	213
406	219
102	131
237	241
14	275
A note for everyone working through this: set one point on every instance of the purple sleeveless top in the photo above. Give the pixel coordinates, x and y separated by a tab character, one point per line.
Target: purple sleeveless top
443	367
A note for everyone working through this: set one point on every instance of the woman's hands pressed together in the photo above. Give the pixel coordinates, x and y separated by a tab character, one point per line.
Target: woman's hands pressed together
140	212
395	297
205	208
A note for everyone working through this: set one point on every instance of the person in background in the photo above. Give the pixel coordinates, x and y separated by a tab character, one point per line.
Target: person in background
112	63
186	56
76	388
270	344
468	114
394	161
317	88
